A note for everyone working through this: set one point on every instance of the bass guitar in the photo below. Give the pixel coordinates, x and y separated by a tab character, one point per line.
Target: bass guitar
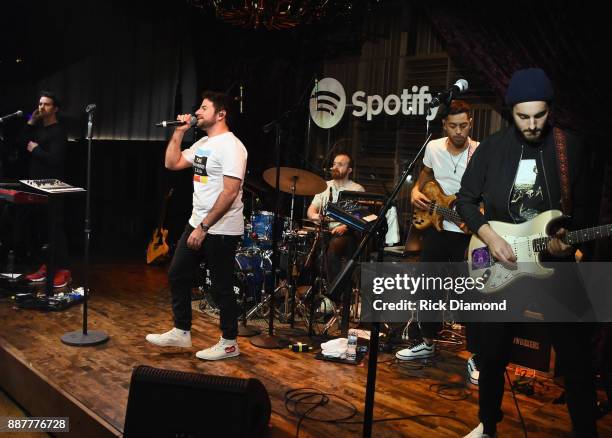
440	209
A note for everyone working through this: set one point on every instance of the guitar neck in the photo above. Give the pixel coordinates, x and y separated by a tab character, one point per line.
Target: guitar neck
574	237
448	214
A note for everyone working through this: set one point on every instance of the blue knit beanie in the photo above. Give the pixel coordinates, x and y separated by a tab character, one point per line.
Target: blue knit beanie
529	85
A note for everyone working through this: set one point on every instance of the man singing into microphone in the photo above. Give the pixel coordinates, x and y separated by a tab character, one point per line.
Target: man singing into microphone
215	227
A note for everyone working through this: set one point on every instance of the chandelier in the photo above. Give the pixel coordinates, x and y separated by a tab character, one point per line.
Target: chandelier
273	14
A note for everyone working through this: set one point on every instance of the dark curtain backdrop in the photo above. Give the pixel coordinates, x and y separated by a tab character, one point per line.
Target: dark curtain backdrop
569	41
130	58
276	69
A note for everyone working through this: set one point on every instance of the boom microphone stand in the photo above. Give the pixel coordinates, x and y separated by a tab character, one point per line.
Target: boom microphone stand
348	269
84	338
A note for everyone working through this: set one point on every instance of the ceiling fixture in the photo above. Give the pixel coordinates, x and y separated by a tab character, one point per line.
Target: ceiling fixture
277	14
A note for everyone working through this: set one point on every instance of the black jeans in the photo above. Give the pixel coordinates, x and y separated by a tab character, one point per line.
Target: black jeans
219	251
573	347
441	246
339	250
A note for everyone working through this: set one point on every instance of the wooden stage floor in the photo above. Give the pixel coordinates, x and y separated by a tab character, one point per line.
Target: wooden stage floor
131	299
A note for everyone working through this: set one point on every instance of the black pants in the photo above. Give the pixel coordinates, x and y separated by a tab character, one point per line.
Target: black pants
441	246
573	347
219	251
340	248
24	228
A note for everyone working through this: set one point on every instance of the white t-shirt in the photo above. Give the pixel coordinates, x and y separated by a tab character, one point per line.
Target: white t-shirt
212	158
438	158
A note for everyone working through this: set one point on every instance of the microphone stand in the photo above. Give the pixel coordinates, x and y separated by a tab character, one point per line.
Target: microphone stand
85	338
270	340
347	270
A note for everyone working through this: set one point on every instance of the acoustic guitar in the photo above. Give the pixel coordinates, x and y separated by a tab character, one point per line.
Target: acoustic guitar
440	208
158	248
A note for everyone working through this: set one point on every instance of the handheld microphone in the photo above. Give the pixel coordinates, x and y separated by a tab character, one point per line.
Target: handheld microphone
458	87
91	107
11	116
166	123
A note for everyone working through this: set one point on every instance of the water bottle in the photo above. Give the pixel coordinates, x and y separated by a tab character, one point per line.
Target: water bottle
351	345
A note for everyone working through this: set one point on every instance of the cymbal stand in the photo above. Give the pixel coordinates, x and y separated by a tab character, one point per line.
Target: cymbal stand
291	256
270	340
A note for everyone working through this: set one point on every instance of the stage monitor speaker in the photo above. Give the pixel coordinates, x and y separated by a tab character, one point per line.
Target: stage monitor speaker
166	403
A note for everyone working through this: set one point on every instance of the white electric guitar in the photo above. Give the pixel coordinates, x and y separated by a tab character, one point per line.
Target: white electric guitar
527	240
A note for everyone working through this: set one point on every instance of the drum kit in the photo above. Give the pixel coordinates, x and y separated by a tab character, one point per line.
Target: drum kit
298	269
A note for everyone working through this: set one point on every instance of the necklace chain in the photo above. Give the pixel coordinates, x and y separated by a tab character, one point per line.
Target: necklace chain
456	164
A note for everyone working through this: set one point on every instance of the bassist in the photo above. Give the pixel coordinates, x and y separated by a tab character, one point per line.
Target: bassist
444	162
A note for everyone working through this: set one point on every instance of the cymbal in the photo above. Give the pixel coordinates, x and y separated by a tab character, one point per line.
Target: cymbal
306	183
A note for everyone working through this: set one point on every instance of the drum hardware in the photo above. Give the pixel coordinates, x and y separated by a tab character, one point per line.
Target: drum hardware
244	330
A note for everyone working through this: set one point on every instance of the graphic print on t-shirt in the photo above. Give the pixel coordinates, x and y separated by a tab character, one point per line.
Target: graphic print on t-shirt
527	200
199	167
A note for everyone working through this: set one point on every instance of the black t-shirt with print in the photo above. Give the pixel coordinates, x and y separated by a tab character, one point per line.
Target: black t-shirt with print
527	197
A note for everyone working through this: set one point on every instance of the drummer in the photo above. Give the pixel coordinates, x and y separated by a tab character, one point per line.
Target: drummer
343	241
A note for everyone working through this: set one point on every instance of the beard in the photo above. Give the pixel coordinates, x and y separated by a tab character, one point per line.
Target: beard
336	174
533	136
205	124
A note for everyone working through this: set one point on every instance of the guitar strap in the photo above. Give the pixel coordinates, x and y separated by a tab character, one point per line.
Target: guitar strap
471	148
561	150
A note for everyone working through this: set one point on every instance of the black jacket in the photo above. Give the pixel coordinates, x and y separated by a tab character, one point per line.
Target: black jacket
49	157
489	178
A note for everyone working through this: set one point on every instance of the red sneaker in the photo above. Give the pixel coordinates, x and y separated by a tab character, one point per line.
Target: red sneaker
39	275
62	277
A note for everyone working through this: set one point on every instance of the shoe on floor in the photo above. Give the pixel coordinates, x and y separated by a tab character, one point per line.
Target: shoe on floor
478	432
222	350
39	275
61	278
172	338
419	351
472	370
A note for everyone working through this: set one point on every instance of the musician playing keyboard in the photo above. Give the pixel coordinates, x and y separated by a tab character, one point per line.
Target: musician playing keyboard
343	241
46	141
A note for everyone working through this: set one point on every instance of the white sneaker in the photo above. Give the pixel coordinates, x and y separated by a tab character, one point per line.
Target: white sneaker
478	432
472	370
172	338
221	350
419	351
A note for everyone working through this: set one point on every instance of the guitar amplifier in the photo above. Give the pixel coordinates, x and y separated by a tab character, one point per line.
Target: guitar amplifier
532	348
